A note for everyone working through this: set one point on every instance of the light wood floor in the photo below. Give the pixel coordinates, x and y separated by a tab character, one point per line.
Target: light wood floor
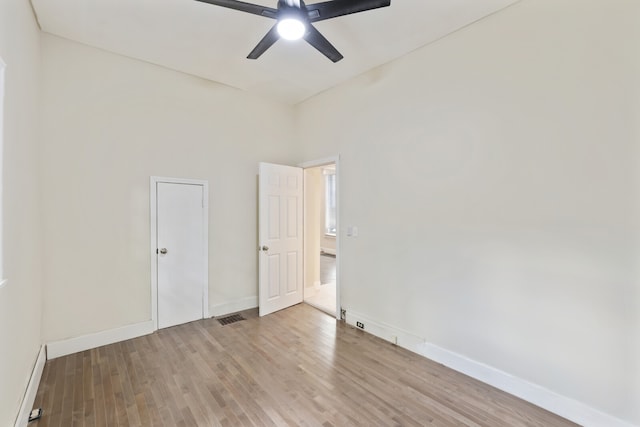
297	367
324	296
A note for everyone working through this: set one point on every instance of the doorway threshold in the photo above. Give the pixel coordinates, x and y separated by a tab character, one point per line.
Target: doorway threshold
321	308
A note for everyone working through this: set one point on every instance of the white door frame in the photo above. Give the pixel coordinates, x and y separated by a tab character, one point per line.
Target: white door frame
322	162
153	203
3	280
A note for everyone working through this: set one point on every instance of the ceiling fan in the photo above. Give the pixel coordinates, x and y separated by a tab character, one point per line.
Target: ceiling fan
294	19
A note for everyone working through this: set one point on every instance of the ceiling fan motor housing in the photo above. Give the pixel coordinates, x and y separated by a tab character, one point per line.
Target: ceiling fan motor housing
292	17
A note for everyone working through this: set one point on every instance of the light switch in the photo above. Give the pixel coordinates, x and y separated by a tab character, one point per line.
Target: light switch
352	231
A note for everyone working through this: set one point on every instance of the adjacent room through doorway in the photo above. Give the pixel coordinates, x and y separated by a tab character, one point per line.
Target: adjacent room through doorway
321	229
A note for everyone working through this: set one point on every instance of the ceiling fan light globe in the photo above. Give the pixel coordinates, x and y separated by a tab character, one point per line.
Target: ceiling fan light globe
291	29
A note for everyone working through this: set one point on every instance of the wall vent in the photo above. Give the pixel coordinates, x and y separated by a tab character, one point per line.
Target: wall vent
230	319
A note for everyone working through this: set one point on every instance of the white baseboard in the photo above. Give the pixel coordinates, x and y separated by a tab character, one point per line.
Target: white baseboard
568	408
32	389
234	306
87	342
330	251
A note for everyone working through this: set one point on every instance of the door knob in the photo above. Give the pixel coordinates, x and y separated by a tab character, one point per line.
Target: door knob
163	251
265	248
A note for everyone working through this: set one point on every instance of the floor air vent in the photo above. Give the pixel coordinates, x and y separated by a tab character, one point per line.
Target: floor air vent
230	319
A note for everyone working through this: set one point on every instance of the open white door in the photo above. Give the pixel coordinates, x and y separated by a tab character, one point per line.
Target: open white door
280	235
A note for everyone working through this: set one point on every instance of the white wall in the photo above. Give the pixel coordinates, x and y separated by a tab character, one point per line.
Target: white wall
20	298
499	169
109	123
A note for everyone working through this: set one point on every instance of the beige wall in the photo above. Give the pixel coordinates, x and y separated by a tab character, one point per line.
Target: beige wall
507	216
21	298
111	122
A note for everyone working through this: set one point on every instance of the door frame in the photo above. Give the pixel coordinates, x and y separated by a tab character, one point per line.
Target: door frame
3	66
153	209
322	162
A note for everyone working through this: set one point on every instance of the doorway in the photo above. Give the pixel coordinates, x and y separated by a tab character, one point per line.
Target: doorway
321	232
291	214
179	251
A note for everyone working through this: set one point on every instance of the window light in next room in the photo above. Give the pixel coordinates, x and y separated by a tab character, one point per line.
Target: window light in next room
330	202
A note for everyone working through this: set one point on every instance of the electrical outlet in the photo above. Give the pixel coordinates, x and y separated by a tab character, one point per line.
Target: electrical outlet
360	325
35	414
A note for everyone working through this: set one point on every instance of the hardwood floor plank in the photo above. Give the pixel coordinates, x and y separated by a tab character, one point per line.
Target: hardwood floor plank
77	412
45	397
107	387
66	412
296	367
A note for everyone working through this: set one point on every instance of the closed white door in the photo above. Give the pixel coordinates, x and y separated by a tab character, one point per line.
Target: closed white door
280	237
180	253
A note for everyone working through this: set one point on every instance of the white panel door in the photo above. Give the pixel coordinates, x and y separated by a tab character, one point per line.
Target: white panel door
280	237
181	248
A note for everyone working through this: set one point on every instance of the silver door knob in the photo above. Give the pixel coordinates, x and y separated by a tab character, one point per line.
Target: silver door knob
265	248
163	251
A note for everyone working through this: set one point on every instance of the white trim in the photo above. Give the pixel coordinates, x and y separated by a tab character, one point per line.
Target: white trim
153	214
235	306
563	406
319	307
98	339
153	224
321	162
3	66
385	331
566	407
329	251
32	389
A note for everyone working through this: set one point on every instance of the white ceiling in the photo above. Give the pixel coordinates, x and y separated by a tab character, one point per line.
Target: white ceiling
212	42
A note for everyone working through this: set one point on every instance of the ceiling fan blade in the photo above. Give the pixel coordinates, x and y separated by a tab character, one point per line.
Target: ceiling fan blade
245	7
317	40
333	9
267	41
